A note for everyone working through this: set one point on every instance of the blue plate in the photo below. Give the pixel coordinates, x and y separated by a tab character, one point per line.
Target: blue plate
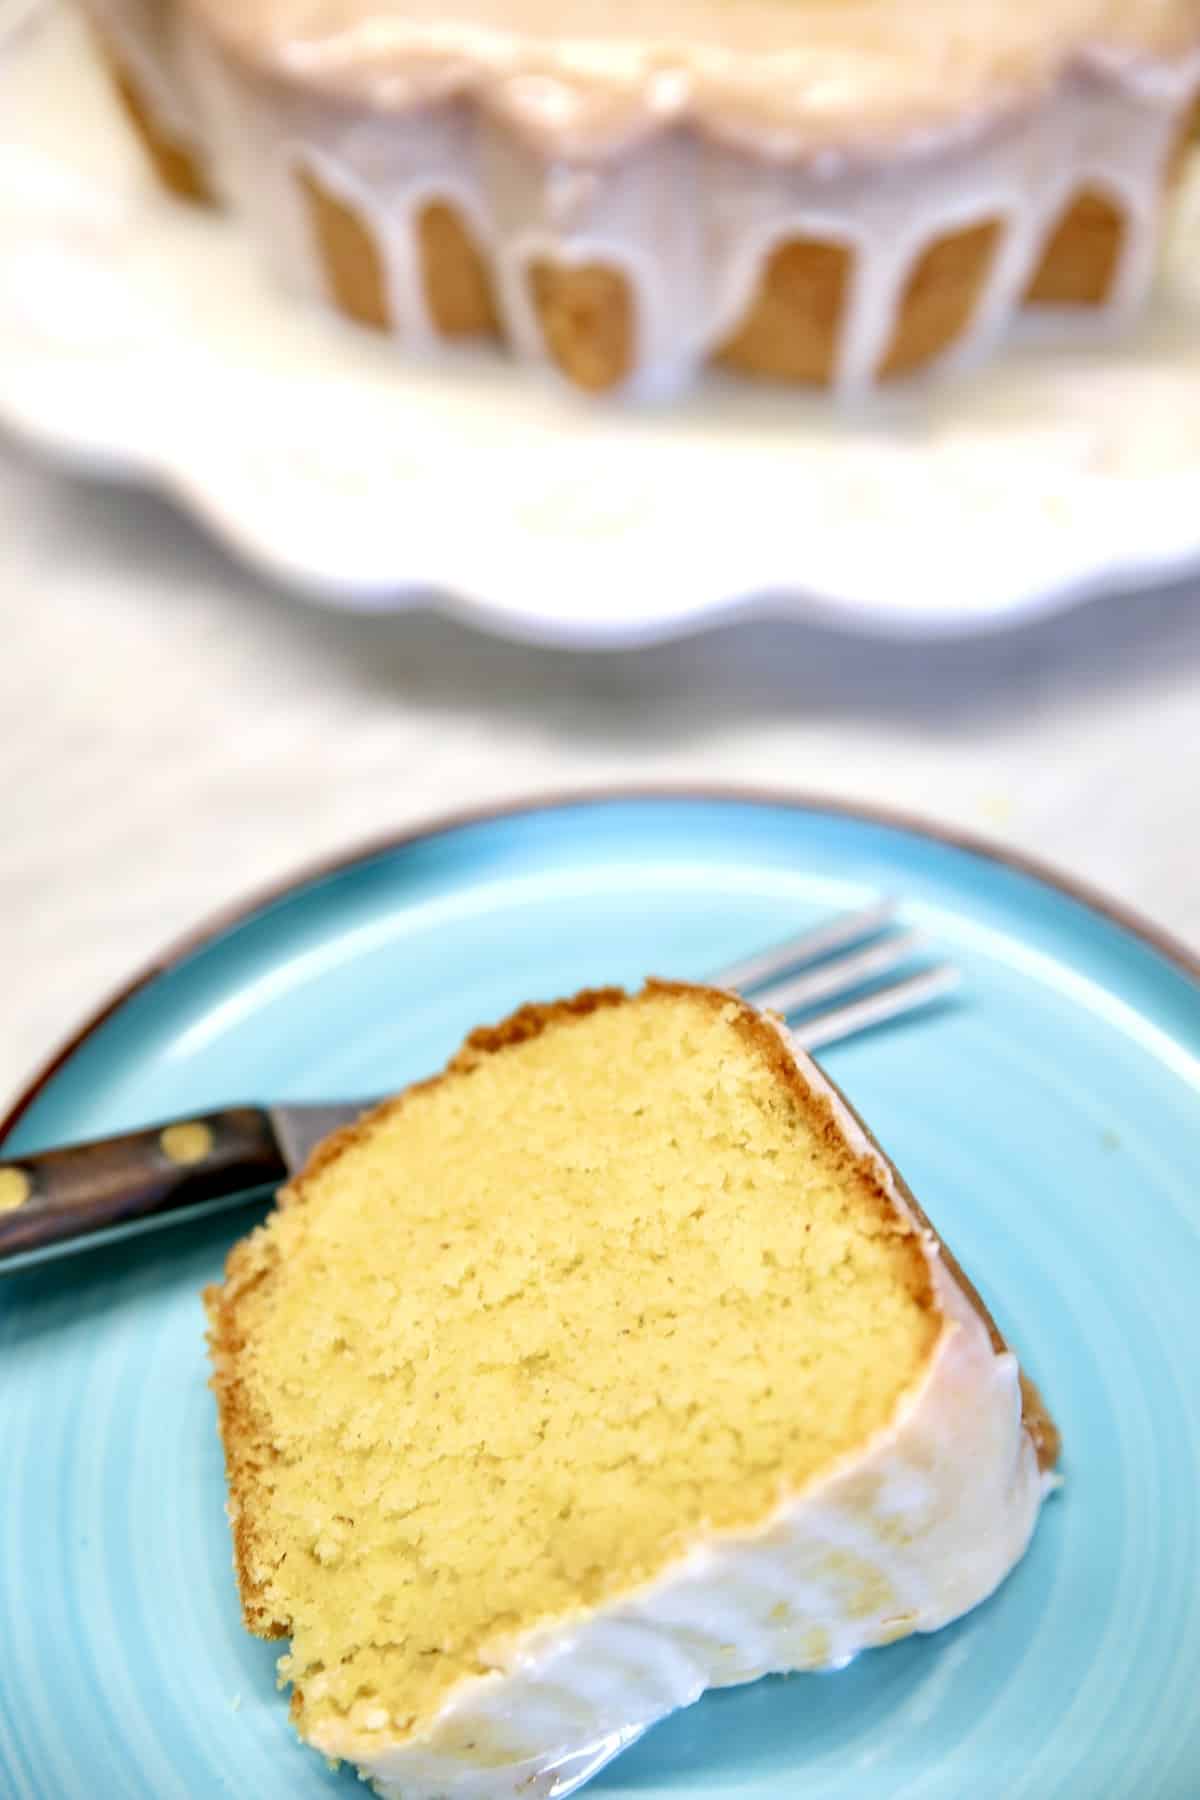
1049	1120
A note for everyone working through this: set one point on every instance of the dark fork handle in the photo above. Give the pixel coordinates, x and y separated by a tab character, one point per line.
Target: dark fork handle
59	1195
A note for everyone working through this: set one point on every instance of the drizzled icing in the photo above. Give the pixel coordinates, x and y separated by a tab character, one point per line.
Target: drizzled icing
681	142
782	76
690	222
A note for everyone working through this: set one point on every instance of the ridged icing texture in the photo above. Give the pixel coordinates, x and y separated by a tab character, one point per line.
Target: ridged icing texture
909	1534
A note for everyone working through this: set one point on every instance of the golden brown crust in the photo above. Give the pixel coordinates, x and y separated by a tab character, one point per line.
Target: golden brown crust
942	293
455	275
792	328
253	1261
1082	254
242	1434
176	165
586	316
354	272
458	284
529	1021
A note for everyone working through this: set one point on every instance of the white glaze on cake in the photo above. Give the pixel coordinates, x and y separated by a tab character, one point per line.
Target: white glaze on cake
783	76
690	218
908	1534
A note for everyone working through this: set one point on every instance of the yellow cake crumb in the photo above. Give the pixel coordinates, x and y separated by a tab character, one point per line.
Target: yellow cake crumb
539	1325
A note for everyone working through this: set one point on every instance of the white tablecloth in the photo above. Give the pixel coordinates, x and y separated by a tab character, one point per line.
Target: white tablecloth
175	733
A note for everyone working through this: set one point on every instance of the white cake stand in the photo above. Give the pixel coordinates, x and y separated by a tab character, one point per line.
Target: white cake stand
140	338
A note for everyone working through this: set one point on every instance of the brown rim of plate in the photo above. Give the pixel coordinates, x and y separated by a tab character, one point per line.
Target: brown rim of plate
227	919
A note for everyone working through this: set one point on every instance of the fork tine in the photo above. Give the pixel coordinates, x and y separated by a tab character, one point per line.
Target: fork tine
841	975
891	1002
820	940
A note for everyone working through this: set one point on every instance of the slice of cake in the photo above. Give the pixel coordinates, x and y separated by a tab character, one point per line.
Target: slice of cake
613	1364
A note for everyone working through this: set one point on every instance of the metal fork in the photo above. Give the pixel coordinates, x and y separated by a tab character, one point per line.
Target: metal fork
784	980
830	980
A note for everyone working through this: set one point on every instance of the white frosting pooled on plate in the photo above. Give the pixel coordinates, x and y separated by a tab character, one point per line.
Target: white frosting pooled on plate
904	1536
